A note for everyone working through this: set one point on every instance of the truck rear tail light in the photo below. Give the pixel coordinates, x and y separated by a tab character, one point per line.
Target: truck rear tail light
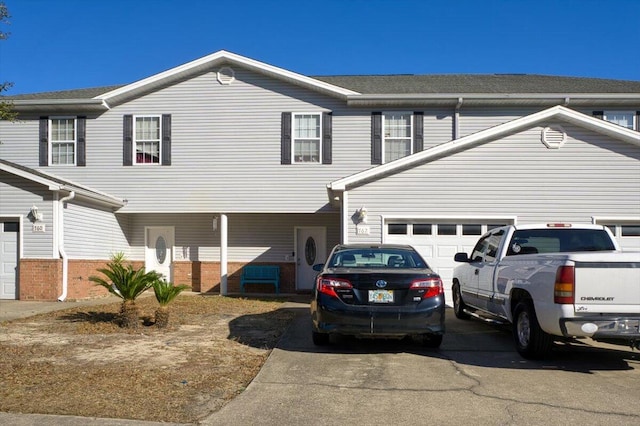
432	287
328	286
564	288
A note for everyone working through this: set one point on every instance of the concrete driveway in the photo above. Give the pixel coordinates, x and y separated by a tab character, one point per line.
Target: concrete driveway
476	377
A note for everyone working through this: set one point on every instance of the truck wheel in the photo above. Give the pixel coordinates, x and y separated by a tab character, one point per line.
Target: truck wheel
458	304
531	341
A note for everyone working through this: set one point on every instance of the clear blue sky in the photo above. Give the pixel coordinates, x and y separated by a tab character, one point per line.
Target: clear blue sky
71	44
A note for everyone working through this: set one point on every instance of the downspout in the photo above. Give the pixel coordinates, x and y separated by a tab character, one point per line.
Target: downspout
63	254
456	120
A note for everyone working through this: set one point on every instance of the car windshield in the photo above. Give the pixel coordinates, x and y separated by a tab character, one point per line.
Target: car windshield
376	258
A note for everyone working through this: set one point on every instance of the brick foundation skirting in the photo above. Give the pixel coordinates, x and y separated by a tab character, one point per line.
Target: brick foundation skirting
41	279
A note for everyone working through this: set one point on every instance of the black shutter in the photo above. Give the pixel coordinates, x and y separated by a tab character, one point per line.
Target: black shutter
598	114
376	138
166	139
44	141
285	138
638	121
418	131
81	153
326	138
127	140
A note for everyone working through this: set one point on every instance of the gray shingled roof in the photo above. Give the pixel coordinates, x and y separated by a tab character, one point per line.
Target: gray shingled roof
478	83
65	94
424	84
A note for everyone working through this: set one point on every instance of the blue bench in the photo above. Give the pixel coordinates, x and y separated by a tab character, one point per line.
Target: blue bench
260	274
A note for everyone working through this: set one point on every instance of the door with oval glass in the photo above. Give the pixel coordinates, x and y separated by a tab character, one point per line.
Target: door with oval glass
159	249
311	248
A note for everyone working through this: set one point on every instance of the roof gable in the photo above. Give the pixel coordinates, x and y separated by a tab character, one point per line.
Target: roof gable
456	145
208	64
54	183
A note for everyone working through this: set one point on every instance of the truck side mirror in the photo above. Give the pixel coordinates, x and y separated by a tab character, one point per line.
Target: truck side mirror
461	257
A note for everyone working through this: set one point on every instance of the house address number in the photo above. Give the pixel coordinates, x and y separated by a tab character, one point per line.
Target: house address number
38	227
363	230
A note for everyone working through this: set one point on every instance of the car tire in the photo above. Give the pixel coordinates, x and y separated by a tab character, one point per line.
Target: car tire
458	304
432	341
320	339
531	341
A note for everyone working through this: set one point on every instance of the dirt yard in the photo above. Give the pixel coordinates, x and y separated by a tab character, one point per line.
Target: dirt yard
80	362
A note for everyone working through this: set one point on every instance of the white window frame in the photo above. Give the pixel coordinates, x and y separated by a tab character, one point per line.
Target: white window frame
294	159
73	141
612	112
385	137
135	140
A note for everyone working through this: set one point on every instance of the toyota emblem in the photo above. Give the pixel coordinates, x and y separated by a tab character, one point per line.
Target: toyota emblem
381	283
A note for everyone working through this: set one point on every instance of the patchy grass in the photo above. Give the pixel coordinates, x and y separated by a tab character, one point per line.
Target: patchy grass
80	362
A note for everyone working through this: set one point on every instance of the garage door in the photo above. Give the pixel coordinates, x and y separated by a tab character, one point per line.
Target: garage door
438	241
8	259
627	233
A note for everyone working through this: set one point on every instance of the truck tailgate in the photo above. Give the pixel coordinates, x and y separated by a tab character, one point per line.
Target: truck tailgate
607	287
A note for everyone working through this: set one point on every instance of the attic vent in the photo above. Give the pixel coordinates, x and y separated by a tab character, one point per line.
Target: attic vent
226	75
553	137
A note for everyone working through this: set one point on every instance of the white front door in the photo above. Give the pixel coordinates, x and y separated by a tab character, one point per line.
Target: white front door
159	250
311	249
8	259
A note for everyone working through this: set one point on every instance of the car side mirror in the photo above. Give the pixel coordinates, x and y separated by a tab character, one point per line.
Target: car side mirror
318	267
461	257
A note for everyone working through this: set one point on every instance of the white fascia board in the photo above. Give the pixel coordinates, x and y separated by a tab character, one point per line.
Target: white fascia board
556	112
51	185
224	56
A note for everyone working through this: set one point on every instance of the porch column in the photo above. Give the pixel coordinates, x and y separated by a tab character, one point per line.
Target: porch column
223	254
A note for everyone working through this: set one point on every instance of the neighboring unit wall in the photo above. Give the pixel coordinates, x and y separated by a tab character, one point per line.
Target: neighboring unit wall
517	176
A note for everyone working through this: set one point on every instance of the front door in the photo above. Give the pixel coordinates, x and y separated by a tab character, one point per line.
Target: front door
8	259
311	249
159	250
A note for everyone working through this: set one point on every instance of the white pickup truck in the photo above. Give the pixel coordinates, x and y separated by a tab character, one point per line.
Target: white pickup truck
551	282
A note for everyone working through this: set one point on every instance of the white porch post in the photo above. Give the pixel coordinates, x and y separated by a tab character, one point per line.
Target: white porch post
223	254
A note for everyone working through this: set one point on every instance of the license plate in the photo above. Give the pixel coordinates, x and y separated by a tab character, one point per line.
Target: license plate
381	296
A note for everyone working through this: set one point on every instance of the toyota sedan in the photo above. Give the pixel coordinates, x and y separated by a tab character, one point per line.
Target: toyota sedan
377	291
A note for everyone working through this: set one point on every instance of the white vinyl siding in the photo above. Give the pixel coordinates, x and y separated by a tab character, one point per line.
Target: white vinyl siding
515	176
62	141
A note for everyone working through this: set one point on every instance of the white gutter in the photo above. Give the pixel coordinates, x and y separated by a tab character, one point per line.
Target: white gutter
63	254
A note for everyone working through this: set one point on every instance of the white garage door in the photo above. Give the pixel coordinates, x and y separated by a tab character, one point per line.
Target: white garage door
8	259
438	241
627	233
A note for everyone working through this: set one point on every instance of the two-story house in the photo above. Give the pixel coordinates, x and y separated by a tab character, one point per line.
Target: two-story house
225	161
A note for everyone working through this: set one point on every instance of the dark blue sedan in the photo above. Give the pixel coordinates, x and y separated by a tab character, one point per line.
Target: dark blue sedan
377	291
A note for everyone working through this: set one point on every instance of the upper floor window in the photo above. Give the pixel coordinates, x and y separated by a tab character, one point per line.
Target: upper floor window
398	135
621	118
62	141
307	138
62	137
628	119
147	139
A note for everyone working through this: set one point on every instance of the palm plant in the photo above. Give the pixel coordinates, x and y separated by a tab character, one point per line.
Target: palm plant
165	293
126	283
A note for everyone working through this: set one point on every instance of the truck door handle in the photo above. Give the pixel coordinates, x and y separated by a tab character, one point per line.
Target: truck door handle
476	272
